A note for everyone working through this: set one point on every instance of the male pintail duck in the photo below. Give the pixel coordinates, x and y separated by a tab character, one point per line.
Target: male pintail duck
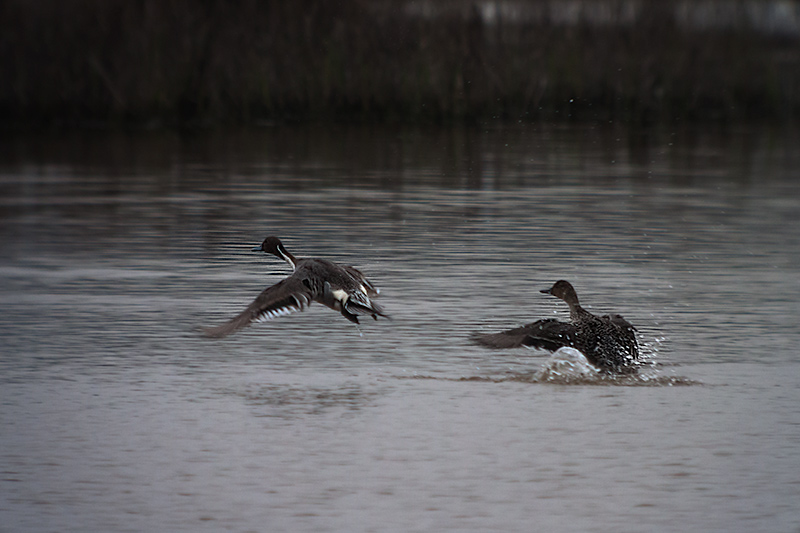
608	341
342	288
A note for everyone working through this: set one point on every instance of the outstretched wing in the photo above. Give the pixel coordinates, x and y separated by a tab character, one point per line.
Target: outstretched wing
284	298
549	334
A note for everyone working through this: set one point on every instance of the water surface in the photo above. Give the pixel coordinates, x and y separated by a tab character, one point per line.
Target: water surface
118	415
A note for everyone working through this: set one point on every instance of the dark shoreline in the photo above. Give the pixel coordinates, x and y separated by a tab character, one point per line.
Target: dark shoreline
152	65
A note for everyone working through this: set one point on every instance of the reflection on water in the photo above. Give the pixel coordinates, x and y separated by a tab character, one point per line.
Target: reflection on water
298	401
119	415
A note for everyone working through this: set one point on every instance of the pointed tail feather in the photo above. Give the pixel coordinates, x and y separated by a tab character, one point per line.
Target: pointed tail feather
367	307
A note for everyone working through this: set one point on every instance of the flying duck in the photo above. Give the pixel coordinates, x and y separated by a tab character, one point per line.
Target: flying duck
342	288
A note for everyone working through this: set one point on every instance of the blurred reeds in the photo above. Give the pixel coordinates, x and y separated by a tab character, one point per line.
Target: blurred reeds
163	62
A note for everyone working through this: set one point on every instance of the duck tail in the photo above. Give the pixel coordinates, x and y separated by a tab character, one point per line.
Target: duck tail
368	307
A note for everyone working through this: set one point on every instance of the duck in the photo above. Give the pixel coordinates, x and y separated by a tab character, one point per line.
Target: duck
608	342
342	288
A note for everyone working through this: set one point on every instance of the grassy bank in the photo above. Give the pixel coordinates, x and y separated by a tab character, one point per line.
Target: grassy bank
179	61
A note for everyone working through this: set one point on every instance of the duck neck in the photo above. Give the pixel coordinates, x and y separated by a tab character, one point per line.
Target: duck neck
576	311
284	254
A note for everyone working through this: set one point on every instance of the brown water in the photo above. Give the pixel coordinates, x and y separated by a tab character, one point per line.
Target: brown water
118	416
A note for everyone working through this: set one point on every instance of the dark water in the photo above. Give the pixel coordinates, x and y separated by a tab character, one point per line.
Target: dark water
118	416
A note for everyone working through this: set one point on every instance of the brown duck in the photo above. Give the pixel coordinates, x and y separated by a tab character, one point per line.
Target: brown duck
608	341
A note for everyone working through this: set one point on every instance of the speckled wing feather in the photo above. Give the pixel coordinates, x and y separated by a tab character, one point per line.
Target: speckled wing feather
627	333
549	334
284	298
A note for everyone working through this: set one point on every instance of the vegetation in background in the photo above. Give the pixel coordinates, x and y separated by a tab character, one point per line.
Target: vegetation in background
166	62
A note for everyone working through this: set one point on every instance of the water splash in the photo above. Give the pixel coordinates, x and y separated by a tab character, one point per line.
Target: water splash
567	364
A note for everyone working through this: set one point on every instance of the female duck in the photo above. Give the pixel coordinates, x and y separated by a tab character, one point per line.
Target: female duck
608	341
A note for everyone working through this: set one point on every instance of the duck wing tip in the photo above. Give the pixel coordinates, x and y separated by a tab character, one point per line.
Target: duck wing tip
498	341
219	332
547	333
278	300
